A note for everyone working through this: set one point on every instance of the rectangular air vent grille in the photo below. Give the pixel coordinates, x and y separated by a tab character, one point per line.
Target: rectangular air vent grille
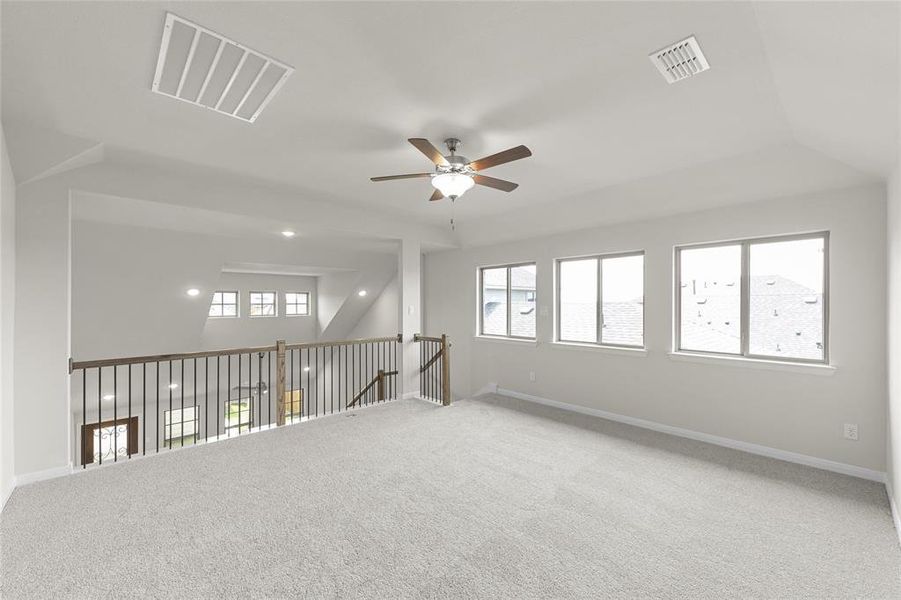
680	60
200	66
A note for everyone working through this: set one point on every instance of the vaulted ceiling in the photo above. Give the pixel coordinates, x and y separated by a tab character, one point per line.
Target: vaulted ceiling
799	97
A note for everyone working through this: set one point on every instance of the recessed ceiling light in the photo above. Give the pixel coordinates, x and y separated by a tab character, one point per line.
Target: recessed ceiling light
193	292
306	369
361	293
172	386
108	397
288	233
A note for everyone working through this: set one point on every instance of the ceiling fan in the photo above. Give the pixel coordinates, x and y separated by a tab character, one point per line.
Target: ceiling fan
455	174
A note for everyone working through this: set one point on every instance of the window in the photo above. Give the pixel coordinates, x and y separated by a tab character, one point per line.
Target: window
763	298
600	300
109	440
262	304
180	425
224	304
237	415
507	301
297	303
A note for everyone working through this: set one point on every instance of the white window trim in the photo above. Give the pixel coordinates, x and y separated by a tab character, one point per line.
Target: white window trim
754	363
745	302
480	320
633	351
308	305
250	304
237	305
599	301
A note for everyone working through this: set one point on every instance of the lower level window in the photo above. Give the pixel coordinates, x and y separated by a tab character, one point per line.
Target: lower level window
180	425
237	415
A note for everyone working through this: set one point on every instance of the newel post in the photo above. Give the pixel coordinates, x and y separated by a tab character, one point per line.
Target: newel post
280	382
445	368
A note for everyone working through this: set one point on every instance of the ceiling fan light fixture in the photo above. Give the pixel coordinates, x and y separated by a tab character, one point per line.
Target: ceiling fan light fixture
452	185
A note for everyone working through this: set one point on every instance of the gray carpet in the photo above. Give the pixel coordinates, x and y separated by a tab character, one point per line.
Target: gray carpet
489	498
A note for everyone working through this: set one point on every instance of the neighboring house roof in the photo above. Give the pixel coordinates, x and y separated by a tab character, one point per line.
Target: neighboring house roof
623	322
522	319
786	318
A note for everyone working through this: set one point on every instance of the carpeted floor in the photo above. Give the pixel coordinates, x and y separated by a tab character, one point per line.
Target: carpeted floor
489	498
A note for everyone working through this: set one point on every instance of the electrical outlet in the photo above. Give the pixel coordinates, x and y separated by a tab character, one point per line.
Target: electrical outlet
531	375
851	431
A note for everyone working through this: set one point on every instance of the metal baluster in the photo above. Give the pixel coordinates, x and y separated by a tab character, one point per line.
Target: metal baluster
84	416
239	394
99	413
115	415
144	408
128	431
218	393
157	407
206	398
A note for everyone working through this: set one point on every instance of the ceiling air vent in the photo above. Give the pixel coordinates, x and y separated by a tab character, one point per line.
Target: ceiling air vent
680	60
200	66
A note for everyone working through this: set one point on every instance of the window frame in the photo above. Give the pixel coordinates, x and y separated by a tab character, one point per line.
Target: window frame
248	425
168	427
745	297
223	304
481	289
307	304
250	304
599	300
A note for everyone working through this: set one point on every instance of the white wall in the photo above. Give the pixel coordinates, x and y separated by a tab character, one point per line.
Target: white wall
794	411
381	318
7	324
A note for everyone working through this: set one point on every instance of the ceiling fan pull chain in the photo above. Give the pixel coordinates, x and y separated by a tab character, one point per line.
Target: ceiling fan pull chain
453	225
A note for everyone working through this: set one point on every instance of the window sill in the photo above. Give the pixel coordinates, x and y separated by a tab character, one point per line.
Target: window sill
619	350
506	340
755	363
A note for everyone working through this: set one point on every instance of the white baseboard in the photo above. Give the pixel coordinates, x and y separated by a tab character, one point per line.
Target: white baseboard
5	494
794	457
36	476
490	388
896	516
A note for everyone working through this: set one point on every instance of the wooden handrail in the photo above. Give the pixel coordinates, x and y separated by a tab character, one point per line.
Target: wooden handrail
425	338
131	360
391	338
378	379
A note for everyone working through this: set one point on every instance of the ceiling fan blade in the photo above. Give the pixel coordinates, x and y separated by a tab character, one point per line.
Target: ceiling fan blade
500	158
409	176
498	184
426	147
437	195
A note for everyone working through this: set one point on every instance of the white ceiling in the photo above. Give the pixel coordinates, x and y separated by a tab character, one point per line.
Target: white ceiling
570	80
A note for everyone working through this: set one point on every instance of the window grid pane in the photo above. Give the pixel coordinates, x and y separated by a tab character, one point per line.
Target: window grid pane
710	299
786	315
578	300
494	301
224	304
297	303
262	304
622	297
522	301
